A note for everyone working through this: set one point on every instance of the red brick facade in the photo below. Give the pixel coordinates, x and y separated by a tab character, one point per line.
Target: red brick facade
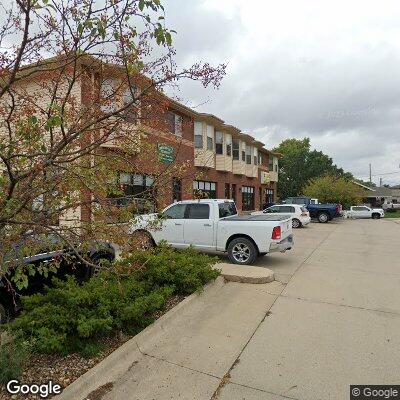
159	126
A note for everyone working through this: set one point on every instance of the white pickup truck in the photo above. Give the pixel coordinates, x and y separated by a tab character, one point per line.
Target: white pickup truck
214	225
365	212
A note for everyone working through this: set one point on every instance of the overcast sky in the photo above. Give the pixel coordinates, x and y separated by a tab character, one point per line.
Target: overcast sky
329	70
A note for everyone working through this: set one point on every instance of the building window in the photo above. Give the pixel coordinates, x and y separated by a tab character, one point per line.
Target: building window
206	190
176	190
260	159
198	135
210	137
236	149
138	189
269	196
131	114
255	152
107	94
174	122
219	142
247	198
129	94
135	184
234	192
228	141
227	191
273	164
248	154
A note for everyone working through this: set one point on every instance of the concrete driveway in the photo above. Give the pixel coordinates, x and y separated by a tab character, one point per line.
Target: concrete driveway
332	319
337	321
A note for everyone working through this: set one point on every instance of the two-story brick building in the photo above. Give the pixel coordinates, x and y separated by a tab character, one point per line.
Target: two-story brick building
221	161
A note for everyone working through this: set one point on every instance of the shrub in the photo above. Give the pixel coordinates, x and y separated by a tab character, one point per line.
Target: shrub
70	317
13	355
187	271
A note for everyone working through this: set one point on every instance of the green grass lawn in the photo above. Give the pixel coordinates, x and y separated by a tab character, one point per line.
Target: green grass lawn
395	214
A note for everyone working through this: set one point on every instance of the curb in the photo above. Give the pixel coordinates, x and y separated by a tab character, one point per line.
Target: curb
107	371
245	273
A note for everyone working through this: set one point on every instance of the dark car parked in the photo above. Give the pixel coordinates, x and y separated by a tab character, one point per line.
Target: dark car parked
322	212
48	250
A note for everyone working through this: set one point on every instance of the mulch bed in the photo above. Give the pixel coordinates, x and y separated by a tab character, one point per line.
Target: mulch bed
63	370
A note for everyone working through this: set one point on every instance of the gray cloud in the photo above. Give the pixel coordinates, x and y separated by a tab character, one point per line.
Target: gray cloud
329	71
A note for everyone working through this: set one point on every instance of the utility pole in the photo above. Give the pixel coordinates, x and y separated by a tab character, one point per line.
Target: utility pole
370	173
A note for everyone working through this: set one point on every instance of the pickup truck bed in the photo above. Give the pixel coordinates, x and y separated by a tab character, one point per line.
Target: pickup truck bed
258	218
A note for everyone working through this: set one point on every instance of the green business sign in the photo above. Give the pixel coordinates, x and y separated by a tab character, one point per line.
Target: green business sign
166	154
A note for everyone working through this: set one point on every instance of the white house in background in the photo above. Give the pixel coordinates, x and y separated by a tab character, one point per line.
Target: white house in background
380	196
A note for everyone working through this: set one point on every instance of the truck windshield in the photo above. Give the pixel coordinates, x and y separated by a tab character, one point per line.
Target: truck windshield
227	209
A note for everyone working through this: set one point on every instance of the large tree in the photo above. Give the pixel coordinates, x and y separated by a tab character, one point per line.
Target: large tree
299	164
51	142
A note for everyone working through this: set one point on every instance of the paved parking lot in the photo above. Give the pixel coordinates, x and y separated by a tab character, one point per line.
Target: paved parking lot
332	319
336	322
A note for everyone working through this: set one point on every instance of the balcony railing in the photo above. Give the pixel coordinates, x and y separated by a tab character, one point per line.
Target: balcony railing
251	171
204	158
223	163
268	177
239	167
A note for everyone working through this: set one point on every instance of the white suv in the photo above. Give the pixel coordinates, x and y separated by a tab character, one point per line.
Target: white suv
299	214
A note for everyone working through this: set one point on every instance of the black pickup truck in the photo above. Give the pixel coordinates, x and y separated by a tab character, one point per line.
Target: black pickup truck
322	212
49	249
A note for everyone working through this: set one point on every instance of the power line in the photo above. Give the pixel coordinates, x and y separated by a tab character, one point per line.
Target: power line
382	174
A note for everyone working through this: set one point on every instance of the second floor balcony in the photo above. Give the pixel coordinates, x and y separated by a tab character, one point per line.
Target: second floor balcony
204	158
251	171
268	177
223	163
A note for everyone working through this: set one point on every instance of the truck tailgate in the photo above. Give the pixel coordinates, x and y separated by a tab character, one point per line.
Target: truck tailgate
286	227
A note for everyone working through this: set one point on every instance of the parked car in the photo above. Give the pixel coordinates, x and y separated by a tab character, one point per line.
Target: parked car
299	214
322	212
365	212
214	225
267	205
48	249
391	206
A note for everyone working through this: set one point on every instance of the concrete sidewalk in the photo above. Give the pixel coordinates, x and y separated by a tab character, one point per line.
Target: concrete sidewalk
336	323
187	355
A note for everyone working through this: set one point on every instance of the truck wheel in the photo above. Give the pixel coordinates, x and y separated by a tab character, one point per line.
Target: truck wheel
242	251
296	223
376	216
98	260
323	218
142	240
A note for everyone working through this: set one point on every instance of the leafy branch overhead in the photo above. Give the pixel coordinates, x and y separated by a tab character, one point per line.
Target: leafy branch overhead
76	77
